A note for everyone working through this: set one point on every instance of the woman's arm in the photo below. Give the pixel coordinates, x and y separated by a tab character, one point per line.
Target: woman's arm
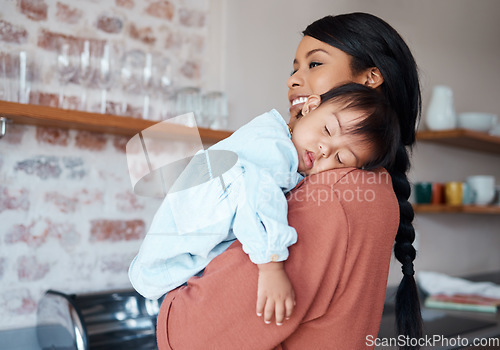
217	311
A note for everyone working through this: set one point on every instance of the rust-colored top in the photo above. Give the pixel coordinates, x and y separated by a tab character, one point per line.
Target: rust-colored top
346	220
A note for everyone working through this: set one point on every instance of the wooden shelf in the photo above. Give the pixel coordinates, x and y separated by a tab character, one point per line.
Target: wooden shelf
466	139
463	138
469	209
103	123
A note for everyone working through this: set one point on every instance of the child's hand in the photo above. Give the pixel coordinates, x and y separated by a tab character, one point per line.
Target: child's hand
275	293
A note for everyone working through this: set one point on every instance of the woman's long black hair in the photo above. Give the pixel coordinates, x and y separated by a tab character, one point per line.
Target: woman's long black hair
373	43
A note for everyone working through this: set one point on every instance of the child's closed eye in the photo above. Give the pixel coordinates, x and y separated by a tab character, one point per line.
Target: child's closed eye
338	159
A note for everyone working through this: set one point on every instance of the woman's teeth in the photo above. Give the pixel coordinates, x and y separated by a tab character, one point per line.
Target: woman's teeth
299	100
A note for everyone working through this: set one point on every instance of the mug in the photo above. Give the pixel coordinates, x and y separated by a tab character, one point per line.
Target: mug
423	192
483	187
453	192
469	196
437	193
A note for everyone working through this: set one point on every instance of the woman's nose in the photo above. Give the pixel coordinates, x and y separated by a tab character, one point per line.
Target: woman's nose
295	80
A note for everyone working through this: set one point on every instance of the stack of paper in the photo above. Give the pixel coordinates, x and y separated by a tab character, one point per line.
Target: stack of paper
457	293
467	302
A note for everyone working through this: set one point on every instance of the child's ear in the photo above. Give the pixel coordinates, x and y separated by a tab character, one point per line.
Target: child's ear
313	102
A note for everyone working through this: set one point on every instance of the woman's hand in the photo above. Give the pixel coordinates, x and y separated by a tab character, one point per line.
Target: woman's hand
275	293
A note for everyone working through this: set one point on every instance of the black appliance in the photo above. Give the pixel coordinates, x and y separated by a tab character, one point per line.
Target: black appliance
117	320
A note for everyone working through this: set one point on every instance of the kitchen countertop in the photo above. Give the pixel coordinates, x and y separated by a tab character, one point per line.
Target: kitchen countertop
460	327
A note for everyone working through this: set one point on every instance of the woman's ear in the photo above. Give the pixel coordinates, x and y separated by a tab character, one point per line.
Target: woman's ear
313	102
373	77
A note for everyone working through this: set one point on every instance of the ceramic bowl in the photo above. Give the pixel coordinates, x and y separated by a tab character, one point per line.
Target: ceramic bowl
477	121
495	131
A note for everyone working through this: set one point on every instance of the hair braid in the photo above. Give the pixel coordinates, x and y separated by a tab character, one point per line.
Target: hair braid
408	316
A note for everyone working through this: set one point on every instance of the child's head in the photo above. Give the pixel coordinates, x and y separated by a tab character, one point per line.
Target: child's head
349	126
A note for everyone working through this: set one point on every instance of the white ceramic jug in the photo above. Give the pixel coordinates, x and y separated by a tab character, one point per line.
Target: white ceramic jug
441	111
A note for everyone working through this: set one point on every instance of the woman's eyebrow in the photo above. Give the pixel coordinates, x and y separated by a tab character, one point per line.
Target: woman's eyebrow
314	51
311	53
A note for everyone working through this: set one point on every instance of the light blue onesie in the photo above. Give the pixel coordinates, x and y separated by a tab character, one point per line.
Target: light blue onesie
194	225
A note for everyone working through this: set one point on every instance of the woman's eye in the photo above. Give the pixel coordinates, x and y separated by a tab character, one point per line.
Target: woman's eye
327	131
293	72
314	64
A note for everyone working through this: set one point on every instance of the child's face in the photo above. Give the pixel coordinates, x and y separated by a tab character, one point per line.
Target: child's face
322	139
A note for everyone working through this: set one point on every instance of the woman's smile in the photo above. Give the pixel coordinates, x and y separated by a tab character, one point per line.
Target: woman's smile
296	103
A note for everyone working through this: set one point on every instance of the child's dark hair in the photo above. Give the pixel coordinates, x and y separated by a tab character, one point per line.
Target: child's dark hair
379	124
371	42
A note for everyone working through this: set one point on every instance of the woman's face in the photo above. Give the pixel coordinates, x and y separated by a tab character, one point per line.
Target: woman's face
317	68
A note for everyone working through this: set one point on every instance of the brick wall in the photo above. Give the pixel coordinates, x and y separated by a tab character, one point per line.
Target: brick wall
175	30
69	219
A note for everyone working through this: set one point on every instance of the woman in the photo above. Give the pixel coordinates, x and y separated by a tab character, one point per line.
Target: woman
346	220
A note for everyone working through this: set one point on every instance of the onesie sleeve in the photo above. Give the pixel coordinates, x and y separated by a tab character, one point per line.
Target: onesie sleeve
270	166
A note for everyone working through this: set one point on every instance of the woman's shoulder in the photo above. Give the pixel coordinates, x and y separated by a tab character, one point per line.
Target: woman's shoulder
360	201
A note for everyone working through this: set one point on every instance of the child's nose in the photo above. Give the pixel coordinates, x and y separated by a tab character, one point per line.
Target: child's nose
325	150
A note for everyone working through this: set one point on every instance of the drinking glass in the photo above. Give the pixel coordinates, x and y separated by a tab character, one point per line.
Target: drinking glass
214	110
20	69
166	86
166	74
106	71
86	70
131	77
5	69
147	85
188	99
67	65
